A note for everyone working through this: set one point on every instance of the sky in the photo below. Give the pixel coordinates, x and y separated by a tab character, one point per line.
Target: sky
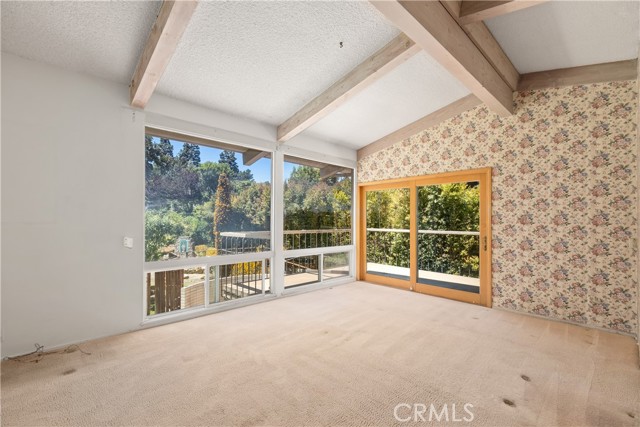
261	169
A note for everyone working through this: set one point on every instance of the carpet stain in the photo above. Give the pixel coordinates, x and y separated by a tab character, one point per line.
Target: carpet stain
69	371
630	415
509	402
525	377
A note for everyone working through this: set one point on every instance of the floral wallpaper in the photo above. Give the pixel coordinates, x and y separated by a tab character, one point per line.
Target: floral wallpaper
564	197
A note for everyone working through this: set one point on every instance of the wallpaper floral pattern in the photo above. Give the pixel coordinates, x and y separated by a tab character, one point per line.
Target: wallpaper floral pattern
564	197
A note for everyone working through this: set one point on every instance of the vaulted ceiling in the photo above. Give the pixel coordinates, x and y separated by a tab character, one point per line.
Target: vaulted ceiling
339	70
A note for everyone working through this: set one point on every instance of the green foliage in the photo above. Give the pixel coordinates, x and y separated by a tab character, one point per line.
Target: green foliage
174	187
312	203
222	208
388	209
162	229
189	155
185	197
447	207
252	207
164	154
228	157
210	172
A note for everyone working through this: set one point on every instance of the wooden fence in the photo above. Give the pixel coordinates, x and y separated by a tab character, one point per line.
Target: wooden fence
165	292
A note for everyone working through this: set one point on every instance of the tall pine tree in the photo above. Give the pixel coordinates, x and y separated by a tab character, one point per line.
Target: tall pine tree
189	154
165	154
229	157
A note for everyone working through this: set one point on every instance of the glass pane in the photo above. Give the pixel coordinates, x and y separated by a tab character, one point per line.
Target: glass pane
448	236
204	201
335	265
387	237
173	290
235	281
301	271
317	200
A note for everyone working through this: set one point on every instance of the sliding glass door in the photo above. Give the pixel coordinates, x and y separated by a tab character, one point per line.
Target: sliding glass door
430	234
388	235
449	236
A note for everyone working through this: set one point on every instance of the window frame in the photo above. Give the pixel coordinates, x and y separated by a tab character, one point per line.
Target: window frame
322	251
483	177
209	136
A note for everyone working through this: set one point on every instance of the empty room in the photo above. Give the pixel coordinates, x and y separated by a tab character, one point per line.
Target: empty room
319	213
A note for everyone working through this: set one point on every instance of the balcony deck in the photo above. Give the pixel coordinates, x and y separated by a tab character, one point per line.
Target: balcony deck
423	276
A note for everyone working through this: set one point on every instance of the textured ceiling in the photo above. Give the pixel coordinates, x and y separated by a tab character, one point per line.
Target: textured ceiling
265	60
103	39
562	34
416	88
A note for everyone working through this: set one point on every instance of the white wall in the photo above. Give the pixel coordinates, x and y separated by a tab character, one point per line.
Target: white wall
72	188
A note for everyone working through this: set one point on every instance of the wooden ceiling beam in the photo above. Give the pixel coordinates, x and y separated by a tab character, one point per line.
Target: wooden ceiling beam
330	170
587	74
598	73
488	45
373	68
172	20
477	11
491	49
249	157
433	28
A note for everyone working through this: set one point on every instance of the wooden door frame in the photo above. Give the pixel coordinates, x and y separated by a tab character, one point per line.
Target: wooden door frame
483	176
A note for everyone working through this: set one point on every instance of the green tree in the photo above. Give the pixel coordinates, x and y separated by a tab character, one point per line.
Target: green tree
229	157
203	214
151	155
189	154
162	227
453	207
388	209
177	187
253	207
302	180
342	202
222	208
164	154
209	173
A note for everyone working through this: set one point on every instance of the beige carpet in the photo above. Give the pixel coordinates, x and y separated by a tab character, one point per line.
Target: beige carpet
341	356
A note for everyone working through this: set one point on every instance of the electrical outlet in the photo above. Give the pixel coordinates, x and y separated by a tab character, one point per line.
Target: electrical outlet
127	242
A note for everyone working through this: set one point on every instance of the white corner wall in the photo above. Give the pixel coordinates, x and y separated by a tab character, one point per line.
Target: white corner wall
72	188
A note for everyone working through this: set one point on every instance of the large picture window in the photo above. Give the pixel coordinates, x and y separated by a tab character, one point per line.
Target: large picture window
317	204
205	203
204	200
208	222
318	201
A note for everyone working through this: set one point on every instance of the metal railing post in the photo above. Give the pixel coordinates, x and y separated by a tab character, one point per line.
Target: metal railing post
216	298
206	285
